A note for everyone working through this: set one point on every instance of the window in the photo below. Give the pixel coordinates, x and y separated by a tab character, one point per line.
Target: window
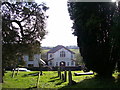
50	55
50	62
31	58
56	63
67	63
72	63
62	54
30	65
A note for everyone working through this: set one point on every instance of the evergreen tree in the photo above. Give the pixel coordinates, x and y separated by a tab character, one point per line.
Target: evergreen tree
92	26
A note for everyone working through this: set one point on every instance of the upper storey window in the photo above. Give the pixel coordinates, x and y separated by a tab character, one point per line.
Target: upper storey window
62	54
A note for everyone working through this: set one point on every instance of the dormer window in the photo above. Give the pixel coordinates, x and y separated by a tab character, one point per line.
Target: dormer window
62	54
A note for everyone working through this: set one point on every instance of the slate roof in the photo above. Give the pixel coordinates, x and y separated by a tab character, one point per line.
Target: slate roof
53	50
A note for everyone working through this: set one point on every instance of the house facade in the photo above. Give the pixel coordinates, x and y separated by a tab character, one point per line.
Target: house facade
60	56
31	60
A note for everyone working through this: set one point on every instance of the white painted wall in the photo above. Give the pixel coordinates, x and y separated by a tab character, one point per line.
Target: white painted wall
35	62
58	59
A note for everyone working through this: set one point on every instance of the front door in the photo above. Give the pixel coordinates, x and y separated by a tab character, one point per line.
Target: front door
62	63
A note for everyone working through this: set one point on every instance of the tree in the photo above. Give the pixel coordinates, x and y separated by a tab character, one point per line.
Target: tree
79	59
44	56
92	26
23	28
115	37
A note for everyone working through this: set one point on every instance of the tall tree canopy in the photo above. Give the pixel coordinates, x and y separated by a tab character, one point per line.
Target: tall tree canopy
23	28
94	25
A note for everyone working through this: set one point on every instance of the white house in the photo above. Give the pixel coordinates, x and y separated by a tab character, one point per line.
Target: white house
60	56
32	60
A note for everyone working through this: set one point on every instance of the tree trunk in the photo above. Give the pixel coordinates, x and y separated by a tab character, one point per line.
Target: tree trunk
3	73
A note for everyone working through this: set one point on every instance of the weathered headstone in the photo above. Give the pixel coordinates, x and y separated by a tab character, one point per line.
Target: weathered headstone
60	75
70	77
58	72
65	76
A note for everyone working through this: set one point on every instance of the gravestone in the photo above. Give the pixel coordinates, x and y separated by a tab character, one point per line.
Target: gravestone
60	75
65	76
70	77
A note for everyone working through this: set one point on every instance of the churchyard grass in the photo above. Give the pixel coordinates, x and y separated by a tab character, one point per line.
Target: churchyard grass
49	79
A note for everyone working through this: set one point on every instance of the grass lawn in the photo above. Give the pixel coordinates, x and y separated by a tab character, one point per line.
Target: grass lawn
45	50
75	50
49	79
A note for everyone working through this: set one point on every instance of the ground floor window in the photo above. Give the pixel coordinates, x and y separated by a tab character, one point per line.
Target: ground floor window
72	63
67	63
50	62
56	63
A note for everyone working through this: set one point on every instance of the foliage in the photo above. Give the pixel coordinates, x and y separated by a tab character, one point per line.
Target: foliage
92	23
23	28
78	57
44	55
115	36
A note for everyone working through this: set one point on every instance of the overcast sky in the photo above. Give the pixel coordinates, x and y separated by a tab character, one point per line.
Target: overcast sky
58	24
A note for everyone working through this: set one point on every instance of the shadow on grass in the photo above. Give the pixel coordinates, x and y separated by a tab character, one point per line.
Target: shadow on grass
59	83
95	83
32	88
54	77
54	80
31	74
